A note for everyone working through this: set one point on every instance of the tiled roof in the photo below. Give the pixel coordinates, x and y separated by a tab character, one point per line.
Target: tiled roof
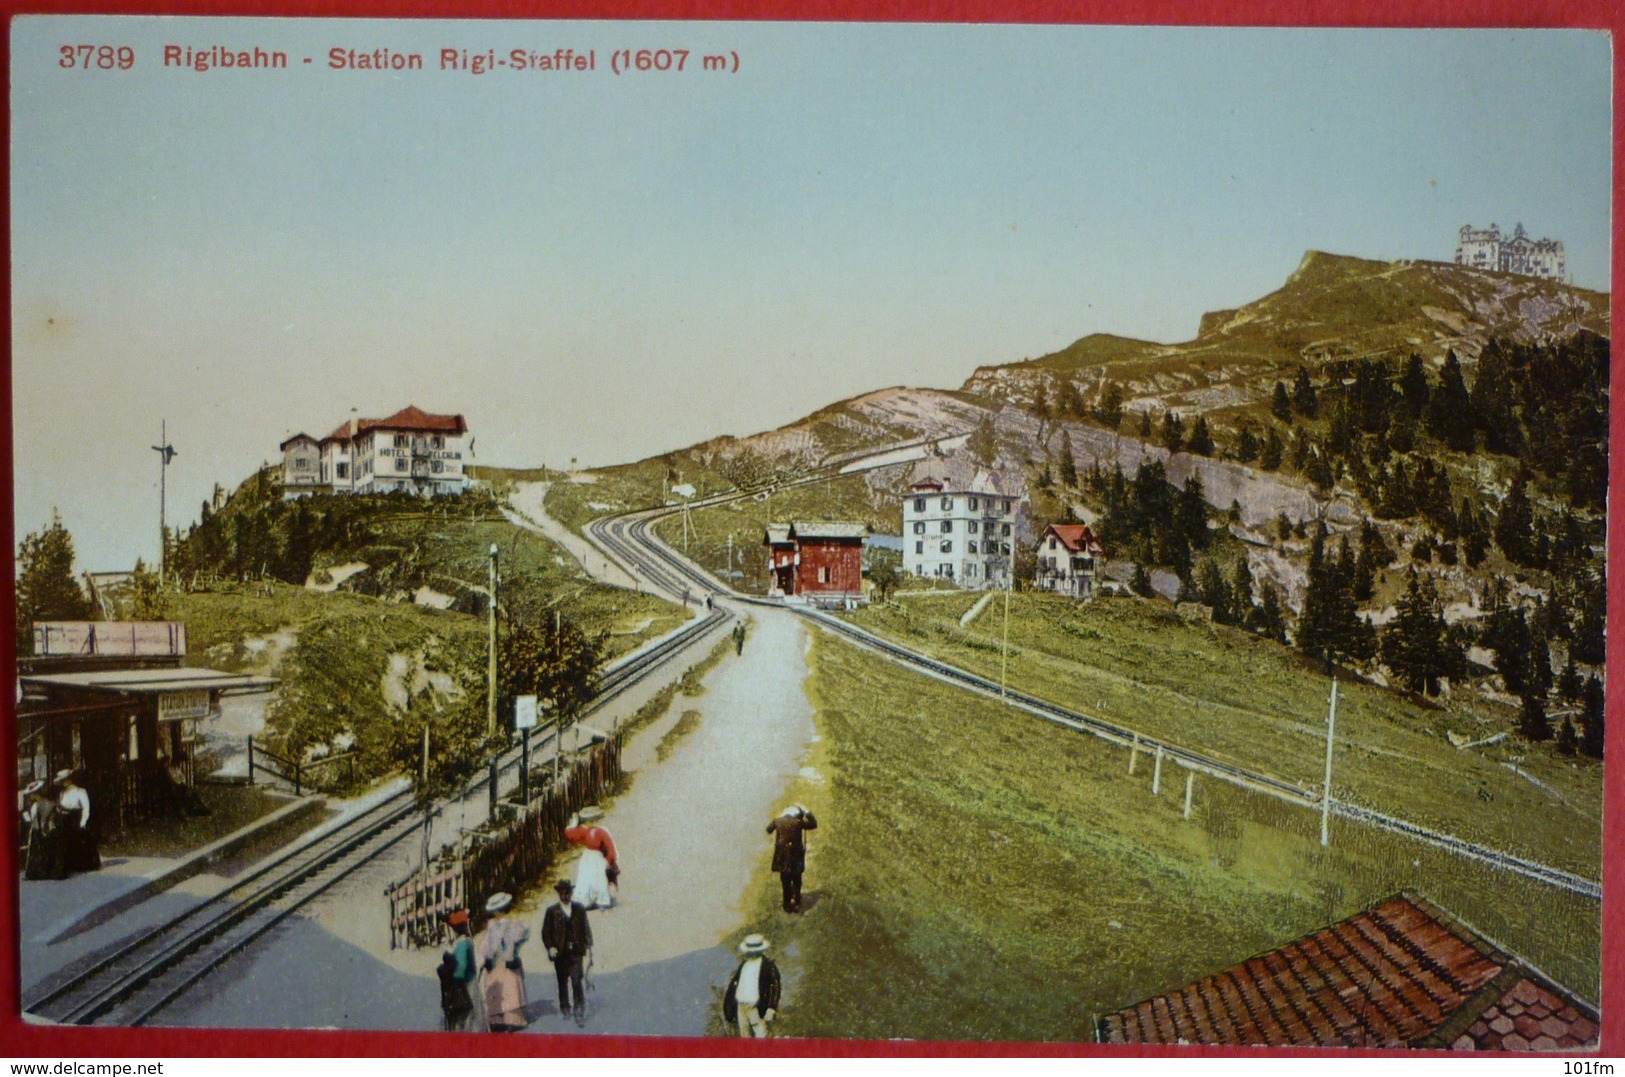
409	418
1402	973
301	436
1076	537
777	535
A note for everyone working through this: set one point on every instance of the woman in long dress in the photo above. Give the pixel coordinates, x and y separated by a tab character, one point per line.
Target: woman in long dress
503	986
598	859
78	831
44	858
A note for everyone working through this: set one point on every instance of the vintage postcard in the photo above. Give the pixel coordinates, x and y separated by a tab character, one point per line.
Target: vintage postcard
980	533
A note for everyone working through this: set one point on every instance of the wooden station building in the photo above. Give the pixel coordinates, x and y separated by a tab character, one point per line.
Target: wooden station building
815	560
113	702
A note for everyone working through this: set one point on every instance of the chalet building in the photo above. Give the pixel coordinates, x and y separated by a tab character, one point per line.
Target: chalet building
411	451
818	562
959	527
1067	554
112	701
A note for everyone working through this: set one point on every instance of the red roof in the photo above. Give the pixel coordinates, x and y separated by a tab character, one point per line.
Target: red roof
1401	974
409	418
1077	538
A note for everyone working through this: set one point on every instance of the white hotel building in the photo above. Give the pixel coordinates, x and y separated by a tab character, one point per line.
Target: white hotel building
962	530
411	451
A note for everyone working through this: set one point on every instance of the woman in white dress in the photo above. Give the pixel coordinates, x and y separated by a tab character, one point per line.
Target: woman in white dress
598	862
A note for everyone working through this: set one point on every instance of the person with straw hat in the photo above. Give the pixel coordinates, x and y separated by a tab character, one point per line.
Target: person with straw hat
43	857
752	998
504	972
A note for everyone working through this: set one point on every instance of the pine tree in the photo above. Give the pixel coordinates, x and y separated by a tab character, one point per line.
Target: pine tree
984	443
1567	742
1201	442
1281	404
1474	540
1140	583
1414	646
1269	458
1190	514
1532	722
1514	527
1413	387
1283	527
1145	425
1109	406
1450	409
1041	400
1212	591
1569	684
1304	400
1592	717
1173	431
46	589
1241	594
1272	623
1506	634
1068	466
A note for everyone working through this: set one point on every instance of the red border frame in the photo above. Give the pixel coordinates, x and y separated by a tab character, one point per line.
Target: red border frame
21	1040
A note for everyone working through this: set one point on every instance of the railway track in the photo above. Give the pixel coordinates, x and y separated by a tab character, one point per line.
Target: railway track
148	972
637	546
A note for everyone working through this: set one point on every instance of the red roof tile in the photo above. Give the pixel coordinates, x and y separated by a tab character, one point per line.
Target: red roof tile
409	418
1075	537
1402	973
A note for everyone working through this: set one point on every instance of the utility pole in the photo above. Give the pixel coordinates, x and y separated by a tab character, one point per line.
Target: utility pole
1326	789
491	679
166	453
1004	650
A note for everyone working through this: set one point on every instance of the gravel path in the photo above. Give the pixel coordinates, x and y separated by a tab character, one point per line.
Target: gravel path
528	501
689	832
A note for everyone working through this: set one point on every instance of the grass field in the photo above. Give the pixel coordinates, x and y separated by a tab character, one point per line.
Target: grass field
978	874
1236	697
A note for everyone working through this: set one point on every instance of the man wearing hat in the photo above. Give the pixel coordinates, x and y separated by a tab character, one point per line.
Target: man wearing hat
568	938
752	998
504	972
790	851
79	837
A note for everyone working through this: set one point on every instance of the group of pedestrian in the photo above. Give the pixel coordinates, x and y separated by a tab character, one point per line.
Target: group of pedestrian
484	982
59	833
495	965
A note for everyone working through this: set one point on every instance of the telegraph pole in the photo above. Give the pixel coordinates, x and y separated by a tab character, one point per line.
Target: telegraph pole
1004	650
491	678
1326	789
166	453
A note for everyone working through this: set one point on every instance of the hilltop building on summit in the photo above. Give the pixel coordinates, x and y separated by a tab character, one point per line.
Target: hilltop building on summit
1487	248
411	451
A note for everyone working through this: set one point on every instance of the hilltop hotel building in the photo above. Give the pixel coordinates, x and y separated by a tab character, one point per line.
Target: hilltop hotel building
411	451
1489	249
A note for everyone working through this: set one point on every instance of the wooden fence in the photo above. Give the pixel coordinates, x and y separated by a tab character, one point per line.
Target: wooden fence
507	859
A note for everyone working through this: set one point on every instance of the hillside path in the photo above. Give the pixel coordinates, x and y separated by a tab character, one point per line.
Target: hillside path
529	510
690	832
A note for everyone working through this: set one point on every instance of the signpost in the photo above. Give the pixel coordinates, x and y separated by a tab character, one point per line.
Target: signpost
524	720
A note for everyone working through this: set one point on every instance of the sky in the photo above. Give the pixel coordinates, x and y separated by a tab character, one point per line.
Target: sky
603	267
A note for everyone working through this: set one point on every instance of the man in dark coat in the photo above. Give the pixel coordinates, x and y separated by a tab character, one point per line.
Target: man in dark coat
752	998
568	939
790	851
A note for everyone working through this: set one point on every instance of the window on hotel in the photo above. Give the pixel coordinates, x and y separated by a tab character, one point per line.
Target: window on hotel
971	527
919	528
919	504
947	504
947	527
973	504
919	547
341	470
947	546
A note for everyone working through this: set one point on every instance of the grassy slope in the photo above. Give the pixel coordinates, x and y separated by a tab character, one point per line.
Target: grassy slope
1007	879
1232	695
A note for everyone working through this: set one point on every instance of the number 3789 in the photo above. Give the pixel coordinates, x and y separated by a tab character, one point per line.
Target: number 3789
97	57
